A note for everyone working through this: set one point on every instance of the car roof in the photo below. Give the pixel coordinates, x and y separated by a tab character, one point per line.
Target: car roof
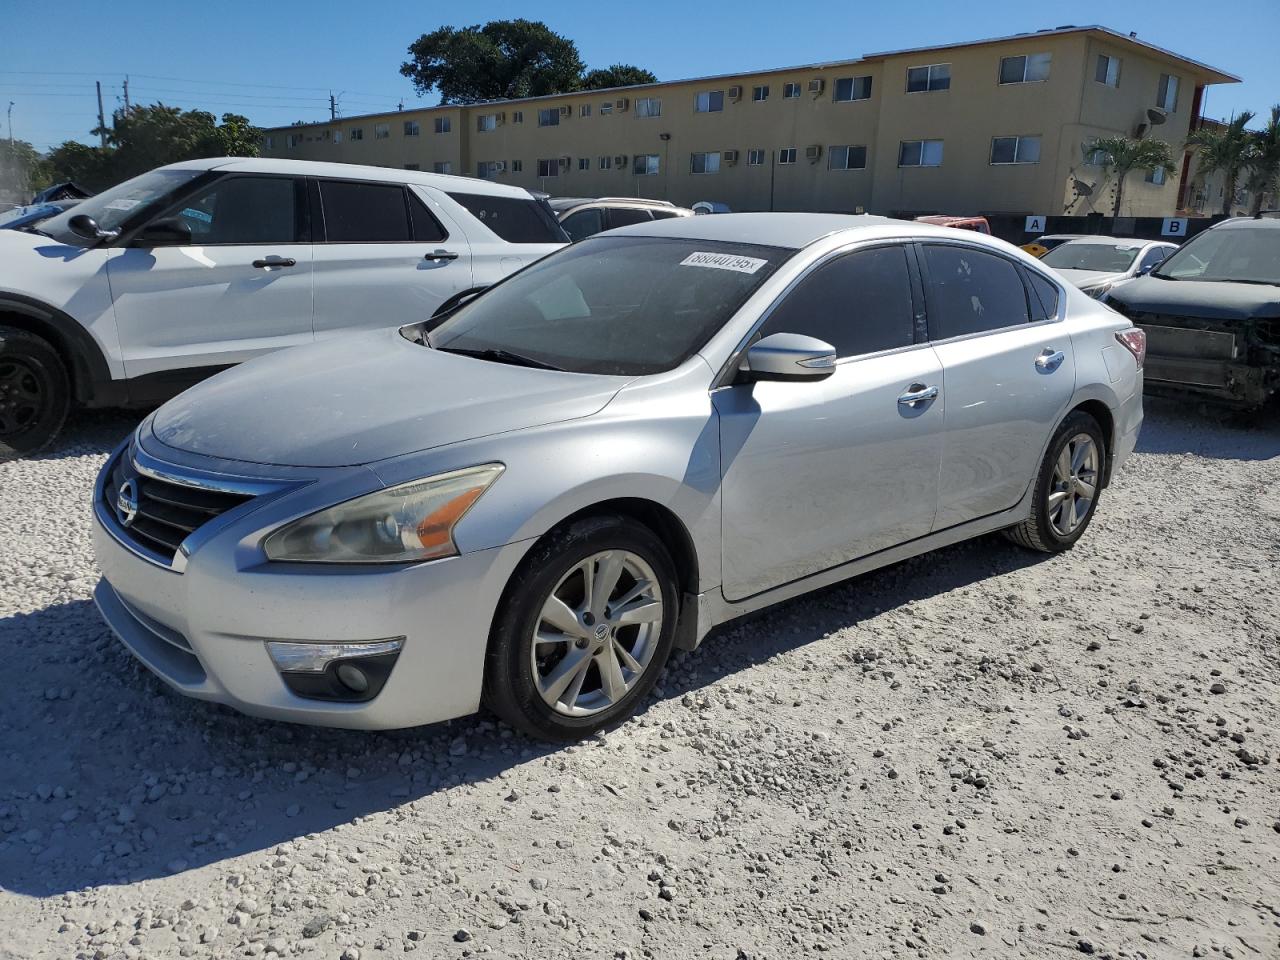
789	230
1247	223
564	203
353	171
1115	241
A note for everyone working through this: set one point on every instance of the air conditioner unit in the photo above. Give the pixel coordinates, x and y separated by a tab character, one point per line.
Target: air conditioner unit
620	160
564	162
1140	130
817	85
566	111
812	152
730	157
735	93
500	166
621	103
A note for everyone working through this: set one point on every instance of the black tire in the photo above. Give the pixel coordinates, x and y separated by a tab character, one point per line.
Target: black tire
1038	531
35	393
511	688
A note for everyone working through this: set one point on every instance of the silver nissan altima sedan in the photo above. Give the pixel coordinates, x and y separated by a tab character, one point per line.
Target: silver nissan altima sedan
527	502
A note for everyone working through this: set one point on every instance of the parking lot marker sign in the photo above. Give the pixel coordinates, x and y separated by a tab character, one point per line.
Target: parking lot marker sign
1174	227
1034	225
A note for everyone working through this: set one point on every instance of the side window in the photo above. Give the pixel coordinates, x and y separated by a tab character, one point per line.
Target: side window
583	224
970	291
425	225
859	303
514	219
364	212
1153	258
1044	297
243	210
624	217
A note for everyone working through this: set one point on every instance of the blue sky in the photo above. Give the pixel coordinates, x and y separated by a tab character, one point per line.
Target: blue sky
277	62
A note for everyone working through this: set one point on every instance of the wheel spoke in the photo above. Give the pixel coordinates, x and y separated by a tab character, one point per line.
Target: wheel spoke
641	610
552	639
566	672
605	582
1086	488
1070	514
1062	471
628	661
558	613
639	588
612	683
1083	447
1055	500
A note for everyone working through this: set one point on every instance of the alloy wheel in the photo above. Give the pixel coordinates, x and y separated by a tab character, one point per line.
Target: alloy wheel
596	633
1075	484
22	396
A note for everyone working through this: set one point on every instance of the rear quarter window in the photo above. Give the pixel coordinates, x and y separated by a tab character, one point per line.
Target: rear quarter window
1044	297
514	219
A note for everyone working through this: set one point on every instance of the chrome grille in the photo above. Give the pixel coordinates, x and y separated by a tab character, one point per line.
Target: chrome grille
167	512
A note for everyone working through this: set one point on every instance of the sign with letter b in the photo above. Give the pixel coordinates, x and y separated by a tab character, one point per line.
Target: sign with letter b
1174	227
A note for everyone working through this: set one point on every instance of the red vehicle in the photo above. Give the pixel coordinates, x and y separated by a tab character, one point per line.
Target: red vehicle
977	224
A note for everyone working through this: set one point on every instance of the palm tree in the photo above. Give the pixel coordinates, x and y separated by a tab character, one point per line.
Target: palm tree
1225	150
1125	155
1264	163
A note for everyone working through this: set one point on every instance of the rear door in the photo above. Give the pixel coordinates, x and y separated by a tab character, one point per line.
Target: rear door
241	287
384	257
1008	374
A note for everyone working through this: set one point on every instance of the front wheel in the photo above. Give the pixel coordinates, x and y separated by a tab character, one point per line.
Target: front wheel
35	393
1067	487
585	628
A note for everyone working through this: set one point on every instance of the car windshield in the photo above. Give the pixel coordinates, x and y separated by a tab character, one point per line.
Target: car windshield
113	207
1091	255
1244	256
628	306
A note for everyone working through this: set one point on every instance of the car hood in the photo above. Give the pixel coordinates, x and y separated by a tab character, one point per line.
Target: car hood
357	399
1089	278
1204	299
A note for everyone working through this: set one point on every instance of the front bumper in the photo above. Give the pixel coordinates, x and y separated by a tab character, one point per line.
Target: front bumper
1217	365
204	629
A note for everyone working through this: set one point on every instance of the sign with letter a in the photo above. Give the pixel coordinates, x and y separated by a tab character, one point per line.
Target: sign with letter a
1034	225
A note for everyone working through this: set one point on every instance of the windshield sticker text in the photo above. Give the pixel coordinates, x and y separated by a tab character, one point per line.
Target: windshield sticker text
723	261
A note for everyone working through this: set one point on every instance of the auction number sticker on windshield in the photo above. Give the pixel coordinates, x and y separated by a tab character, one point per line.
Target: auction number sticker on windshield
723	261
124	203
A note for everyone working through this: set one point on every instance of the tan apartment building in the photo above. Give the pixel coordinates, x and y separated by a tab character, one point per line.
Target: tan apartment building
992	126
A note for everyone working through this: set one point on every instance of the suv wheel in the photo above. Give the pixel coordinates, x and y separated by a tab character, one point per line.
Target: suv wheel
1067	487
35	393
585	628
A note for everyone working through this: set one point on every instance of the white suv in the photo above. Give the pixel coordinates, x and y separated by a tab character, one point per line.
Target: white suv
135	294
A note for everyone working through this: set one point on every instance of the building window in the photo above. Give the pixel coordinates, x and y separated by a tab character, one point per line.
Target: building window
517	116
1107	70
936	76
381	131
1031	68
486	122
606	163
645	164
517	166
790	91
920	153
293	140
1167	93
487	169
1156	176
584	110
760	93
357	133
337	136
584	163
709	101
755	158
444	124
412	166
704	163
442	166
606	108
1095	158
1015	150
649	107
549	168
411	128
269	142
846	158
787	155
549	117
852	88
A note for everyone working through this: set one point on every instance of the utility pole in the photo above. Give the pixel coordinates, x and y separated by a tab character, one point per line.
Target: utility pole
10	127
126	93
102	120
333	106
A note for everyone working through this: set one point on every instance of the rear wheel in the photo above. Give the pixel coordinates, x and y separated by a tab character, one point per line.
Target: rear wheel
35	393
1067	487
585	628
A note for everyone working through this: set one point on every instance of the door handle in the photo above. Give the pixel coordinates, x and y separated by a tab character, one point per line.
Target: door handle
917	393
437	255
273	261
1050	360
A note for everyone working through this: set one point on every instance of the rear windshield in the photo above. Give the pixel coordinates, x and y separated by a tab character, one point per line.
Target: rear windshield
628	306
514	219
1245	256
1099	257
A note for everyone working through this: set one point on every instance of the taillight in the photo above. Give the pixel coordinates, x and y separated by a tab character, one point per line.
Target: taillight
1135	341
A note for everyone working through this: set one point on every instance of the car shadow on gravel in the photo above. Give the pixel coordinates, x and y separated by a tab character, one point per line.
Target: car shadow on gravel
108	777
1173	426
91	433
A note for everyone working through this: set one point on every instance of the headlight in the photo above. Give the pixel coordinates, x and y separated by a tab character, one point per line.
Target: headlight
402	524
1098	290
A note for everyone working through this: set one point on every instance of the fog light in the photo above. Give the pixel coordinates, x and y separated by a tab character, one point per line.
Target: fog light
335	671
353	677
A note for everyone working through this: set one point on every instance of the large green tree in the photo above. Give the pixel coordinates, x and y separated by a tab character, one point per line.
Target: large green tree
1123	155
1264	163
23	170
1223	149
506	59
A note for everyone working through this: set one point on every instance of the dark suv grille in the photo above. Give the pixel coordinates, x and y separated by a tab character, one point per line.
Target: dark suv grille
168	512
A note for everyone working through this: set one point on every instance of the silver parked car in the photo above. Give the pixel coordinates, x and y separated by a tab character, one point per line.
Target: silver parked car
527	502
1096	264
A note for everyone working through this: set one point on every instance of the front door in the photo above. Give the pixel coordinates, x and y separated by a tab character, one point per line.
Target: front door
820	473
240	288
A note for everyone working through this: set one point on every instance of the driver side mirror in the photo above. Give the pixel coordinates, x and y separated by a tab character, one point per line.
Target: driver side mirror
169	232
83	225
787	356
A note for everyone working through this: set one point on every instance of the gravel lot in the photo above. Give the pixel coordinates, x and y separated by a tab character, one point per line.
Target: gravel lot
981	752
